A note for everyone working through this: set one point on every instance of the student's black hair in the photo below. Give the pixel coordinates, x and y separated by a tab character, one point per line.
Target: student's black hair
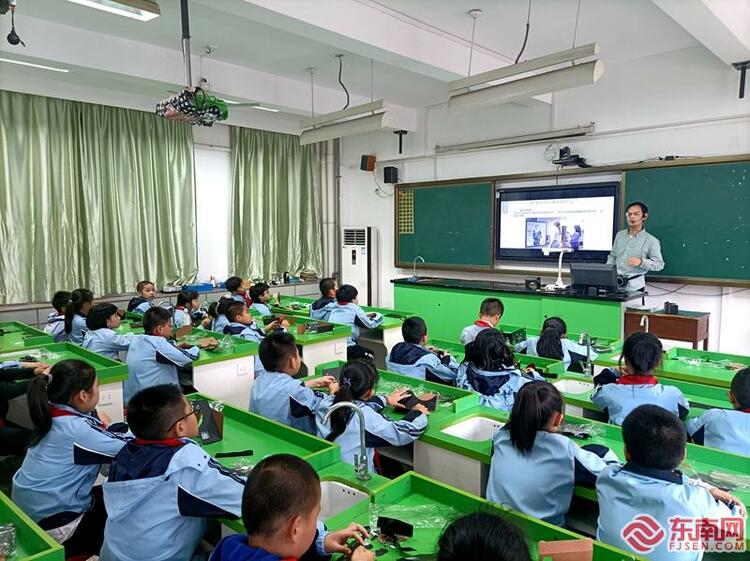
275	350
143	284
654	437
221	305
536	402
212	309
233	283
642	351
67	378
234	310
549	344
642	206
256	290
413	329
99	314
154	317
326	284
481	535
491	307
741	387
78	298
60	301
185	297
356	378
489	351
346	293
153	411
279	488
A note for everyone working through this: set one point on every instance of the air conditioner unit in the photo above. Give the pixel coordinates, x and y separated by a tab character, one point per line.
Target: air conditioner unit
359	262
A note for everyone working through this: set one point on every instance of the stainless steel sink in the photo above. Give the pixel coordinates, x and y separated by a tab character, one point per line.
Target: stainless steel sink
476	429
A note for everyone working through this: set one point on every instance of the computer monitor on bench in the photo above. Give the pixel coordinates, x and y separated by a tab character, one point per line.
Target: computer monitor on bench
599	275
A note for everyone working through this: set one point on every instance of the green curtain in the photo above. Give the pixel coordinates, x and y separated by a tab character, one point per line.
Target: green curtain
92	196
276	204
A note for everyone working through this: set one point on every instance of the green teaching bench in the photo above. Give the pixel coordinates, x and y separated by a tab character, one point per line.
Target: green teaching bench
32	543
16	335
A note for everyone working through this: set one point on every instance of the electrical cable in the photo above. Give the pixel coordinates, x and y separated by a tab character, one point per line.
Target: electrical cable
575	29
526	35
341	67
380	189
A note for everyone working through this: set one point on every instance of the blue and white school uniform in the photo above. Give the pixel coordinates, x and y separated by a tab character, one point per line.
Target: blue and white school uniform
78	329
182	317
236	548
379	430
629	491
56	327
238	298
153	360
620	398
470	332
220	323
557	465
10	364
725	429
572	351
58	473
139	305
352	314
321	308
107	342
496	389
414	360
278	396
159	496
261	308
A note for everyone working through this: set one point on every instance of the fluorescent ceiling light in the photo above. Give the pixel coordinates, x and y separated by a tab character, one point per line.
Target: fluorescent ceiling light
252	105
142	10
261	108
344	128
558	134
33	65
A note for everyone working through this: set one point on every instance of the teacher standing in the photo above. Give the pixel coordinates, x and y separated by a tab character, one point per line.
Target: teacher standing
635	251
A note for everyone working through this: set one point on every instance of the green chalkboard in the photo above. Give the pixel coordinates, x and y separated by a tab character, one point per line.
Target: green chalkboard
446	224
701	215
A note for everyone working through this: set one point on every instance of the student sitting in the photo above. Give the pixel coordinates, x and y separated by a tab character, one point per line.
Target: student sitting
56	320
100	337
481	535
144	301
188	311
80	303
619	395
724	429
490	312
208	321
55	485
347	312
411	358
236	291
489	368
260	296
357	381
162	486
531	444
221	320
243	325
650	484
153	358
321	308
15	379
280	508
276	394
553	343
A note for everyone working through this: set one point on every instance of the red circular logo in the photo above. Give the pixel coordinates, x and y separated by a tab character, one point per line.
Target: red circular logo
643	533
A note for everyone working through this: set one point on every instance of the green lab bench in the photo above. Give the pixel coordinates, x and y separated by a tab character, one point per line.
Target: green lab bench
16	335
32	543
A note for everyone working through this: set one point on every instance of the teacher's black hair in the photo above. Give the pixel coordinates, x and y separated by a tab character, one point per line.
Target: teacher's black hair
642	206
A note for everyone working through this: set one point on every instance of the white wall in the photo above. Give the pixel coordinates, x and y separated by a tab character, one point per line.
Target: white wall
680	103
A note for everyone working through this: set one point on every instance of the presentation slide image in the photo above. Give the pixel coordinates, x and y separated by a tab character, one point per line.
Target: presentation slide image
553	233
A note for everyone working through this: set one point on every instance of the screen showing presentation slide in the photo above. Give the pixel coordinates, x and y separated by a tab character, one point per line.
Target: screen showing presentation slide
580	219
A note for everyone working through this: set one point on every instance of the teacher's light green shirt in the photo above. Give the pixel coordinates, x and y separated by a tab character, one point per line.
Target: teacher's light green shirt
644	246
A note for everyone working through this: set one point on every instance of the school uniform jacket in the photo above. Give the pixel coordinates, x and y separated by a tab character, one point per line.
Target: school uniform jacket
153	360
139	305
107	342
626	492
349	313
158	497
557	464
278	396
470	332
236	548
724	429
572	351
56	327
497	389
78	329
54	483
182	317
414	360
619	398
379	430
220	323
261	308
321	308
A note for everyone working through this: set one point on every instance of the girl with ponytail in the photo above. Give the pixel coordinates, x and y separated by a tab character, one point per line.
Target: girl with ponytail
70	442
489	368
81	300
531	443
357	380
553	343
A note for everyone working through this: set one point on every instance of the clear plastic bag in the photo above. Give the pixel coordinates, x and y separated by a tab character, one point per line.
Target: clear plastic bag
43	354
243	467
226	344
7	540
425	516
582	430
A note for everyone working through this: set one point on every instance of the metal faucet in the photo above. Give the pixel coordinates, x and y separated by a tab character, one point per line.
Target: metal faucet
361	470
414	272
588	366
644	323
168	306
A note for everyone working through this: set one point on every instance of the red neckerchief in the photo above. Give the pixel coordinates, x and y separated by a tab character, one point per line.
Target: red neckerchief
341	303
57	412
745	410
637	380
183	308
171	442
482	323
